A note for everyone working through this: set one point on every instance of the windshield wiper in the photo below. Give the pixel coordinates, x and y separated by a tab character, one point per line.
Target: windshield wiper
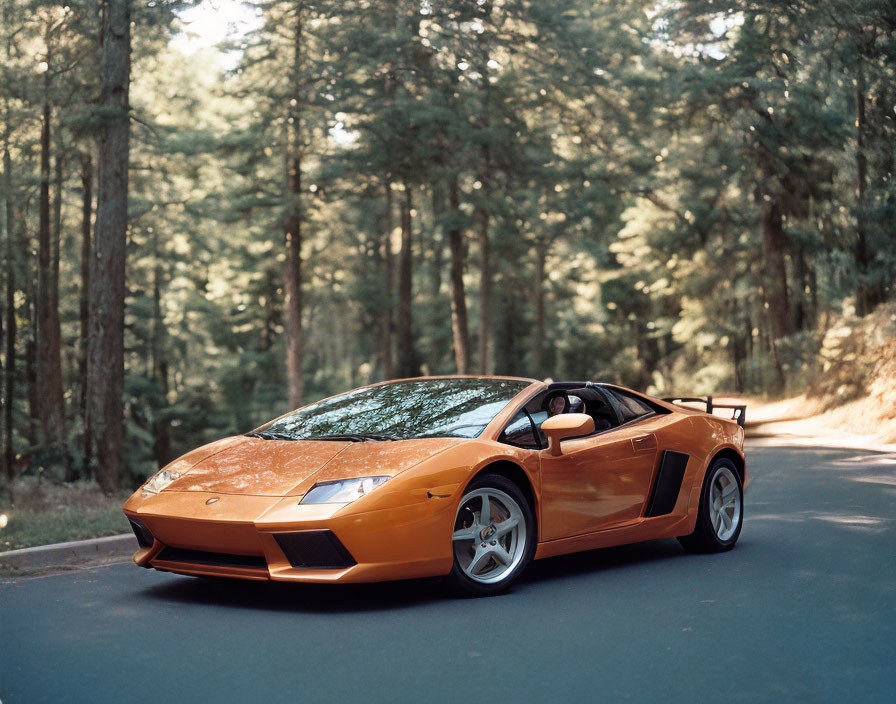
269	435
354	437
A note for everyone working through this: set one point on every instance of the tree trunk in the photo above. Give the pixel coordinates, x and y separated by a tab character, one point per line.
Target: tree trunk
84	301
437	247
56	242
868	295
161	425
459	327
486	357
105	356
486	348
27	283
10	310
777	297
32	387
886	164
293	231
270	311
749	345
10	357
293	294
774	244
387	325
407	360
51	409
538	343
799	313
56	233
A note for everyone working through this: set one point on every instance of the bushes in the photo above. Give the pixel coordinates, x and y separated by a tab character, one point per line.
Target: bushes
857	357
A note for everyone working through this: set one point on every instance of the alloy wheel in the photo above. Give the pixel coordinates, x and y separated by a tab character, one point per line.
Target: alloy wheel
489	535
724	504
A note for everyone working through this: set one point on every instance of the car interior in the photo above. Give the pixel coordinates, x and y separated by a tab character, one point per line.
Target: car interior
610	408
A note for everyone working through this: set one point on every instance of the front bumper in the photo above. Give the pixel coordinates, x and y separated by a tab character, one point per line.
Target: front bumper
262	537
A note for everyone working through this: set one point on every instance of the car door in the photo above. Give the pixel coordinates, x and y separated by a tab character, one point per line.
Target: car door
599	481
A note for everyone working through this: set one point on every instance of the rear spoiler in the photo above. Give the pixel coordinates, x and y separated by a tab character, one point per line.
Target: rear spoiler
739	413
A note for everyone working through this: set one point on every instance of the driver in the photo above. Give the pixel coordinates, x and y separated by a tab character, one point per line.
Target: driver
555	403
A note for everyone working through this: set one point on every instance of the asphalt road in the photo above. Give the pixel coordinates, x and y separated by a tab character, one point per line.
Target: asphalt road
804	609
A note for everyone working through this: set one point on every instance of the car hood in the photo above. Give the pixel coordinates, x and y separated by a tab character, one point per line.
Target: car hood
258	467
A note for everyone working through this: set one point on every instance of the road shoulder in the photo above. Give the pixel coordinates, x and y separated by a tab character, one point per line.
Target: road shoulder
36	560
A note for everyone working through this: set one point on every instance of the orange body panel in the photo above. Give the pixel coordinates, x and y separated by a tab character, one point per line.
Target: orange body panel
234	495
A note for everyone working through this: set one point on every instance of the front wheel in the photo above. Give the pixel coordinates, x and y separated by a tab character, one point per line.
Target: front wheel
720	515
494	537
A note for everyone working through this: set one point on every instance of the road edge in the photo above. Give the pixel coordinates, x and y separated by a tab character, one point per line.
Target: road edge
778	433
76	552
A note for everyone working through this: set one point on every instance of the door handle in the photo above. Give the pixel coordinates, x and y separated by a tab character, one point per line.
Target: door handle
644	443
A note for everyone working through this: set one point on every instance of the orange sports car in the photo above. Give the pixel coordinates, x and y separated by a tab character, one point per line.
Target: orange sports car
467	477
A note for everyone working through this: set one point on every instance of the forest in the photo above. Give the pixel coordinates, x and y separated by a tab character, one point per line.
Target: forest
681	196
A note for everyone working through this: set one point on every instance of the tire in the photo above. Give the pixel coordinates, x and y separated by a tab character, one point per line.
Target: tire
489	557
718	530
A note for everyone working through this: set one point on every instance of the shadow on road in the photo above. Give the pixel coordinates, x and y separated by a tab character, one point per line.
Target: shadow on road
284	596
604	559
329	598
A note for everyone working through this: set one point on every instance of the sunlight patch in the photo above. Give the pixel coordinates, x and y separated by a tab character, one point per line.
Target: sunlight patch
888	479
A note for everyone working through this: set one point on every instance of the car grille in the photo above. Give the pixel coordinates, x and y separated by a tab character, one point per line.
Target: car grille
211	559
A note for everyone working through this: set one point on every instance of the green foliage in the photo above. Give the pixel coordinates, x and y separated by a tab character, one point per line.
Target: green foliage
626	157
43	514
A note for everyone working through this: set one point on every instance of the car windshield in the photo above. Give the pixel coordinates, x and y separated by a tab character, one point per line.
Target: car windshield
424	408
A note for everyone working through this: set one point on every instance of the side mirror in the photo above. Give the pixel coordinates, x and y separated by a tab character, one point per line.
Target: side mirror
566	425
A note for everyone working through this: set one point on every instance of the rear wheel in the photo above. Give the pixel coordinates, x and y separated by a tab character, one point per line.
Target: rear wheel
494	537
720	516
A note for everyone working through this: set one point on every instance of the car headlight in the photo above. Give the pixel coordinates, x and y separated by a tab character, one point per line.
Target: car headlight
342	491
159	481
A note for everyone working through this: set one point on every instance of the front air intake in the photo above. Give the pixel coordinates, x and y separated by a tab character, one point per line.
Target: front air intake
314	549
144	536
203	558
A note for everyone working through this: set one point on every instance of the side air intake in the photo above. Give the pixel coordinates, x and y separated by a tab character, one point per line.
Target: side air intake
668	483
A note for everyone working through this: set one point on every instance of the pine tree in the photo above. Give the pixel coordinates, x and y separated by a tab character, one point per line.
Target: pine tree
105	355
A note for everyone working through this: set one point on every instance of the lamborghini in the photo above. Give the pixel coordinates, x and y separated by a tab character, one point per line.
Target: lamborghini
468	478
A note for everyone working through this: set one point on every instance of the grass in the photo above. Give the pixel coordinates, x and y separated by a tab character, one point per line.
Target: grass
45	513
